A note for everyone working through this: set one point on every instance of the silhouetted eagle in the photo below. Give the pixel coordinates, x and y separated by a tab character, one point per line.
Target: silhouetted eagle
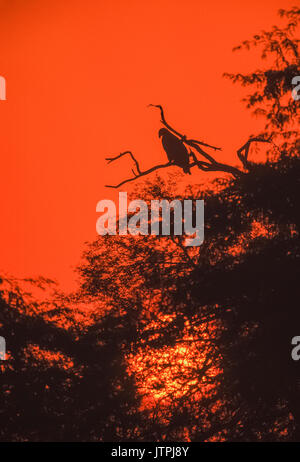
175	149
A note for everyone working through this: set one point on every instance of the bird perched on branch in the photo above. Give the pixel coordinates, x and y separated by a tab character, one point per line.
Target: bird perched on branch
175	149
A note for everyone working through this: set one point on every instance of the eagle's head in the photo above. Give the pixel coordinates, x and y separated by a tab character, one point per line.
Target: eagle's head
162	132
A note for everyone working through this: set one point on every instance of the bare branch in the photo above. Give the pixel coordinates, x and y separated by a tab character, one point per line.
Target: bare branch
146	172
183	137
243	152
214	166
207	165
111	159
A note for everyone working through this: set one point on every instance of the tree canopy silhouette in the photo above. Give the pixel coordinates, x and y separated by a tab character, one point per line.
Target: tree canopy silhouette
167	342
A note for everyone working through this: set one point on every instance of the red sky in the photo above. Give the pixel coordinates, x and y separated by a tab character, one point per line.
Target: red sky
80	74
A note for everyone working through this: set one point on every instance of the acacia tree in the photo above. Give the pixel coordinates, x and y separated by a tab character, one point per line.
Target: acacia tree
236	297
64	378
181	343
272	85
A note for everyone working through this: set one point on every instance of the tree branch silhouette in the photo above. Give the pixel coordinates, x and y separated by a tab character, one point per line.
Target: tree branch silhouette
243	152
209	165
140	172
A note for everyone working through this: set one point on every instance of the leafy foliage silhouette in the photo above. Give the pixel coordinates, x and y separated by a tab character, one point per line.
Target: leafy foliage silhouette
165	342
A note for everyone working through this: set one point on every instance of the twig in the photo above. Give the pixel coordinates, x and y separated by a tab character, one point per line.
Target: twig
209	165
183	137
243	152
111	159
140	172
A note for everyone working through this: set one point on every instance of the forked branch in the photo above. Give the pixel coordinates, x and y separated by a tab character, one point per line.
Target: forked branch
140	172
207	165
243	152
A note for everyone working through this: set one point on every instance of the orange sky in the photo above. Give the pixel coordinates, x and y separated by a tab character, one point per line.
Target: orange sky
80	74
